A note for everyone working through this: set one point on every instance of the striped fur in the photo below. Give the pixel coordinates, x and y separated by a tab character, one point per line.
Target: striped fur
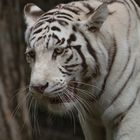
88	53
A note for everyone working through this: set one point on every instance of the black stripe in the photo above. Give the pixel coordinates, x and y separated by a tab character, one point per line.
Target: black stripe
125	65
71	10
123	87
109	69
92	52
64	72
113	1
128	4
61	13
129	51
136	9
69	69
38	25
54	28
71	39
47	44
39	38
69	59
37	31
62	22
70	66
32	38
51	20
74	28
64	17
49	13
44	18
91	9
56	37
84	64
121	115
62	41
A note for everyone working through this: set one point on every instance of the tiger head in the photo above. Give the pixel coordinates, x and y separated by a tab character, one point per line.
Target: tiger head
63	61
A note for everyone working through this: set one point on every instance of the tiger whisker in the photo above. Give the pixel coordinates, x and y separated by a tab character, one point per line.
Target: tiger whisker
77	107
78	82
19	105
85	102
20	91
85	92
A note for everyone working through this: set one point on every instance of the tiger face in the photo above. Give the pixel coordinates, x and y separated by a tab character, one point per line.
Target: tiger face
60	55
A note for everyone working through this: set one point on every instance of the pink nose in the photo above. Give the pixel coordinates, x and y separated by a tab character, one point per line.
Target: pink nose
40	88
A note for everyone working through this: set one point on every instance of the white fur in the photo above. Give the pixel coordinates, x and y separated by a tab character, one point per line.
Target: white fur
114	31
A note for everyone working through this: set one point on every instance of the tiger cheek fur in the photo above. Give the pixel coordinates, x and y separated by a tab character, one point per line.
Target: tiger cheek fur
84	57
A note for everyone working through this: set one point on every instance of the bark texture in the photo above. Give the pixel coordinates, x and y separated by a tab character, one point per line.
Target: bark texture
13	126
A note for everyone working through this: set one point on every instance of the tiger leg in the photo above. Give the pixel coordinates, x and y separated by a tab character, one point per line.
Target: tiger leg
129	127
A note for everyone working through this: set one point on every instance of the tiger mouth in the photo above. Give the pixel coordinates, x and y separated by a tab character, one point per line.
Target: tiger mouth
65	98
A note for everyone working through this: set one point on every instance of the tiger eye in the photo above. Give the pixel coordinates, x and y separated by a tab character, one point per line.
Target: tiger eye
30	56
59	50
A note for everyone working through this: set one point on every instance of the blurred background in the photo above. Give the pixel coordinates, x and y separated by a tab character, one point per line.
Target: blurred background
19	120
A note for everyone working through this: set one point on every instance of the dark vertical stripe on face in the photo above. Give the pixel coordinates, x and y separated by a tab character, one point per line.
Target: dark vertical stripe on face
69	59
56	37
84	64
62	41
74	28
109	69
47	45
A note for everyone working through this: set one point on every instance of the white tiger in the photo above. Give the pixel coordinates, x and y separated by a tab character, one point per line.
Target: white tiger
85	56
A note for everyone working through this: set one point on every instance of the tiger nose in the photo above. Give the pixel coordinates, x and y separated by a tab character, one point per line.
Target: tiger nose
40	88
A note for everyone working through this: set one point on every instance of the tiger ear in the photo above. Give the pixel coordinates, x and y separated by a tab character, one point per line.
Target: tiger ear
32	13
96	20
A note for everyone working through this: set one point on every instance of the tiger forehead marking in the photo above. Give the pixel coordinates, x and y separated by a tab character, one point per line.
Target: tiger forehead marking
84	56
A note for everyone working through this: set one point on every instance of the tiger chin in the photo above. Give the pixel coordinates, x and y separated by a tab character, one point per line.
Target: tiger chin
85	57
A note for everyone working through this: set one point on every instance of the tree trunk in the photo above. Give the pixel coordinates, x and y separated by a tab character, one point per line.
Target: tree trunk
13	126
